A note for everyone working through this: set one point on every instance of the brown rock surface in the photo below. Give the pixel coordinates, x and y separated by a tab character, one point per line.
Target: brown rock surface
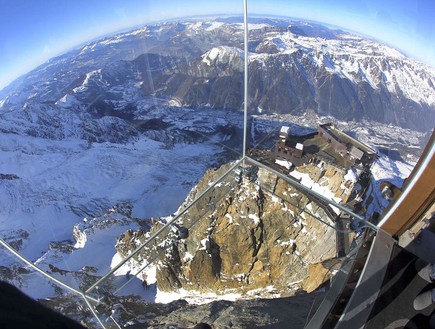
253	235
319	273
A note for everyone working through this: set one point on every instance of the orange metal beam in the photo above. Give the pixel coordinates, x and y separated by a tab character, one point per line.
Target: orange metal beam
417	197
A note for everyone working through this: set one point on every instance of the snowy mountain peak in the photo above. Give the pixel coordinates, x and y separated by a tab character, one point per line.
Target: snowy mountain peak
295	66
67	101
357	60
223	55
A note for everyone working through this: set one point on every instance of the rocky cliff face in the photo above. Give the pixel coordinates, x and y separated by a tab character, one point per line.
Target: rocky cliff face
257	234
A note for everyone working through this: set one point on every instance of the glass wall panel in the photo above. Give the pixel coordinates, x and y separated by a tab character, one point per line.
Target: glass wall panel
29	298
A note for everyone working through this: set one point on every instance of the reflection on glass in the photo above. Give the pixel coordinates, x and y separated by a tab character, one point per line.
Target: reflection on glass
49	294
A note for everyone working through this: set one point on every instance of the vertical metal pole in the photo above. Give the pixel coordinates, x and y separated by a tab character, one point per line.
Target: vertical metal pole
245	82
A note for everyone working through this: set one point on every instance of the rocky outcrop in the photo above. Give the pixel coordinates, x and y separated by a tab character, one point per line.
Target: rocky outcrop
8	176
320	273
254	313
16	238
251	235
222	314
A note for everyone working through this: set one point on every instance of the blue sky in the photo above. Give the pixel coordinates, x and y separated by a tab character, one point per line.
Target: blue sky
33	31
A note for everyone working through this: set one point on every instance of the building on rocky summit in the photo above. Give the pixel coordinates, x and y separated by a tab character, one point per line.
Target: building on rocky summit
326	144
287	149
346	146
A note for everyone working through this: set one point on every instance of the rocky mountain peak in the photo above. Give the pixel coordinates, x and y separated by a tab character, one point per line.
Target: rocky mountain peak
224	55
260	235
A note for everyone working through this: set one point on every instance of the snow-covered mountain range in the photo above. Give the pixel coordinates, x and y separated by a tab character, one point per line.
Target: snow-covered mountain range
293	66
136	118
